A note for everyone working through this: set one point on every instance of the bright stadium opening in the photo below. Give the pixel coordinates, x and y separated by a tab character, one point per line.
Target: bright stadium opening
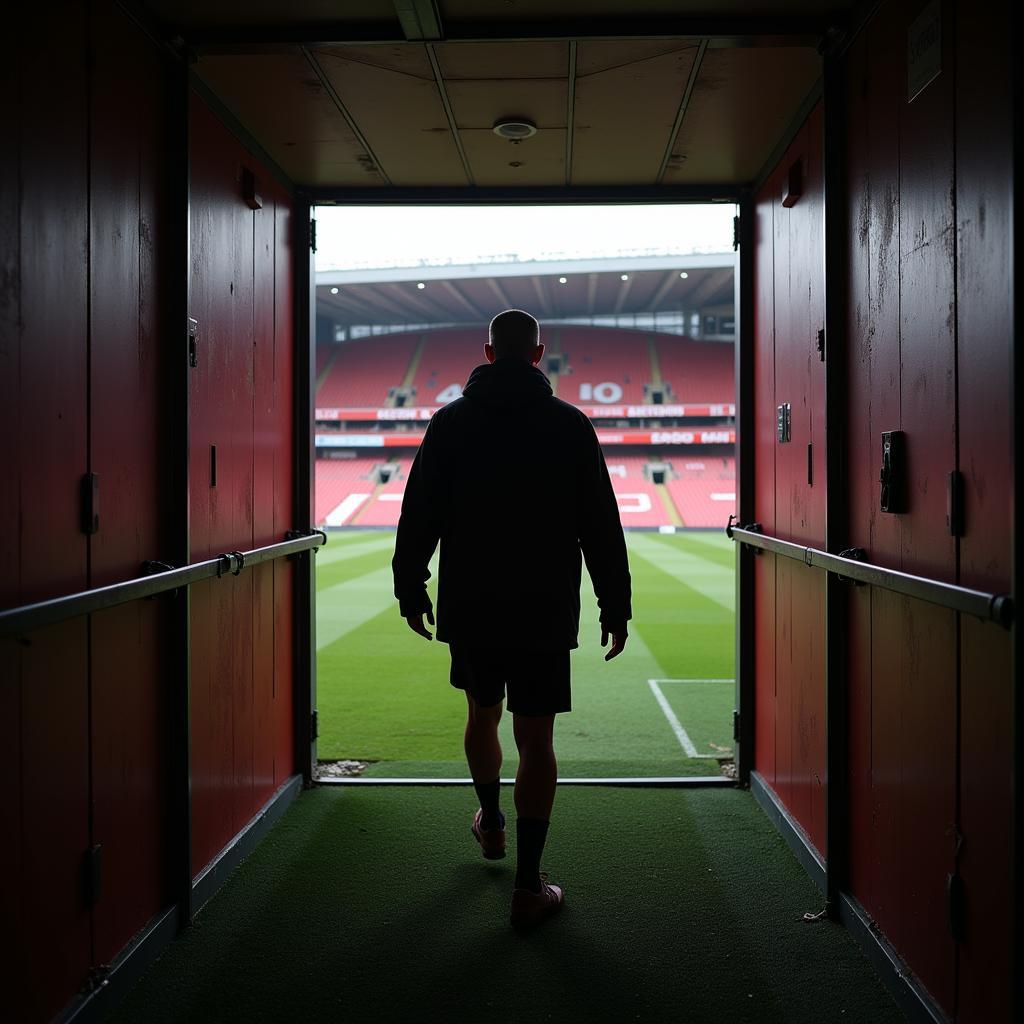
638	315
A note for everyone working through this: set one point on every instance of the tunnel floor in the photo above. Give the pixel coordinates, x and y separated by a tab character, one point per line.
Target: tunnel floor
374	903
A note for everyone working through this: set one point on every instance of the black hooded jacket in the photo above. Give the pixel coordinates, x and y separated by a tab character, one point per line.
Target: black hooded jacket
512	482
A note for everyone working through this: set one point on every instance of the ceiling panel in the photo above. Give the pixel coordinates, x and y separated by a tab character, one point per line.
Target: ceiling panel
478	104
281	103
624	115
399	113
547	59
743	101
495	161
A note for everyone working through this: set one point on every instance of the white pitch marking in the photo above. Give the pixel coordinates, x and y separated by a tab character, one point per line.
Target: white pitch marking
677	727
692	680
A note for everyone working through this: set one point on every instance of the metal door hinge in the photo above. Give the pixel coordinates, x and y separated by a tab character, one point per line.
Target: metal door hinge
821	344
892	494
91	868
314	726
90	500
735	726
193	343
312	233
783	420
955	503
735	234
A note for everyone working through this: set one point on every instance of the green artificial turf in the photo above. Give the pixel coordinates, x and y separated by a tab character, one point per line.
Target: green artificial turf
383	694
374	905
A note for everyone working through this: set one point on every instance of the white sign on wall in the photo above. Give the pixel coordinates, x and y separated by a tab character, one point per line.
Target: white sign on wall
604	393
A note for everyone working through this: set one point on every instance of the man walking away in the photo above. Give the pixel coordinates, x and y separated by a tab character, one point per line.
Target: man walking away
513	484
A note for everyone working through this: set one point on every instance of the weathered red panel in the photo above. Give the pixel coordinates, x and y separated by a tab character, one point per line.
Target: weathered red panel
860	489
53	945
284	475
47	375
927	320
265	442
241	403
986	967
984	139
130	646
789	311
764	482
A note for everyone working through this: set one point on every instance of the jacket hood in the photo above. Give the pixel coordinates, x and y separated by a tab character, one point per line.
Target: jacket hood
507	383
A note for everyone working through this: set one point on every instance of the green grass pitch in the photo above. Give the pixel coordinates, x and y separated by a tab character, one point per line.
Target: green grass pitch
383	693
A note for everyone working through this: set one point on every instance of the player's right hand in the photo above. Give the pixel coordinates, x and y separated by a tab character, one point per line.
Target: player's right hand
416	623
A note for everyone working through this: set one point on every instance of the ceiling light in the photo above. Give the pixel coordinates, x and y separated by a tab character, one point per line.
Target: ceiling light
561	280
515	129
683	274
625	277
420	285
334	291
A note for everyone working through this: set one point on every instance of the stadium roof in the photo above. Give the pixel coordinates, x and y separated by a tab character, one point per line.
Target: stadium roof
550	290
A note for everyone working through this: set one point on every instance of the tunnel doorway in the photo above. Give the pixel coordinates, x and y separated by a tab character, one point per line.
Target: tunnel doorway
397	334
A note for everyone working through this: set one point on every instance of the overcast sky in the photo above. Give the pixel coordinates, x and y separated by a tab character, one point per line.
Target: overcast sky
367	236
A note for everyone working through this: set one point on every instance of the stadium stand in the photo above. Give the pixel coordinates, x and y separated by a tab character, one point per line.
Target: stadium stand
385	506
365	369
447	358
698	489
598	356
640	503
703	489
323	357
698	371
336	480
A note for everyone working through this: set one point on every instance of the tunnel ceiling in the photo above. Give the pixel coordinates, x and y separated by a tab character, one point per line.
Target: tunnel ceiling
406	93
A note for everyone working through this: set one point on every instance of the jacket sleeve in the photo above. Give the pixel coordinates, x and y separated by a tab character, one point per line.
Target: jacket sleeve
600	535
419	527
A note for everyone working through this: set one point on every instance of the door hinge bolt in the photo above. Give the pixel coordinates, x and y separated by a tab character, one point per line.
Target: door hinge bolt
314	726
735	726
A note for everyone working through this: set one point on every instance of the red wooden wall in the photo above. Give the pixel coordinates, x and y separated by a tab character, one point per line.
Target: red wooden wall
89	344
927	352
240	402
789	490
84	705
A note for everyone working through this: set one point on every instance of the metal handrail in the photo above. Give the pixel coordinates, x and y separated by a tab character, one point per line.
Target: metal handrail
997	608
16	621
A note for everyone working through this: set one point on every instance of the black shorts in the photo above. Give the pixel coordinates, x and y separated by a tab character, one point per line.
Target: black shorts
537	681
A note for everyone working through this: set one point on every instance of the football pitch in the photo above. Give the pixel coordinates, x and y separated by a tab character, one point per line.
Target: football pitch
662	708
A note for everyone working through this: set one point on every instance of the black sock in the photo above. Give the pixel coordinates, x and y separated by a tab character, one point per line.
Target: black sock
530	837
489	793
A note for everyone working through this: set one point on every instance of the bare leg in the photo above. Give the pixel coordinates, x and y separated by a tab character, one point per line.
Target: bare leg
538	770
483	749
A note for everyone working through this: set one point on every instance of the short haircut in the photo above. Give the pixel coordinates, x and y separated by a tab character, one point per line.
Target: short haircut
514	333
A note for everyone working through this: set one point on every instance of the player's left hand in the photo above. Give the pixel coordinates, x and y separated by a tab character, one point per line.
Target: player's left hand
416	623
618	635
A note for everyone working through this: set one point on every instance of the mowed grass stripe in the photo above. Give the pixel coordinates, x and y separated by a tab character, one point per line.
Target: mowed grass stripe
699	573
333	552
690	635
336	573
723	555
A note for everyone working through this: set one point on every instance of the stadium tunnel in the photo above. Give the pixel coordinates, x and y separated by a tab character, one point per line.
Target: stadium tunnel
159	167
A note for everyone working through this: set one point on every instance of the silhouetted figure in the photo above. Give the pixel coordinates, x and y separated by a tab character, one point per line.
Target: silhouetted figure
513	483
